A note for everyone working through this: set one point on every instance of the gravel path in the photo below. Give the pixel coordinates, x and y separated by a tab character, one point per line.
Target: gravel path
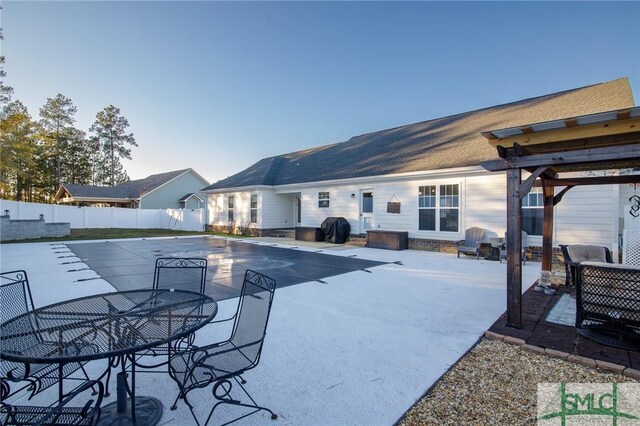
496	383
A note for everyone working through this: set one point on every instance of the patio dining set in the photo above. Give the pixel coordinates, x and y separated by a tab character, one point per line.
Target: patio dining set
144	330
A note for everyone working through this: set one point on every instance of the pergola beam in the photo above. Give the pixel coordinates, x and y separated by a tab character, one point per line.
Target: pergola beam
616	154
592	180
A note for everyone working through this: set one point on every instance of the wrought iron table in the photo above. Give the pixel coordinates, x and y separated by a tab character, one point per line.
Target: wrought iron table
115	326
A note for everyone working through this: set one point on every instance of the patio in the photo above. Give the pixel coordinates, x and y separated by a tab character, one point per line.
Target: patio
358	348
548	321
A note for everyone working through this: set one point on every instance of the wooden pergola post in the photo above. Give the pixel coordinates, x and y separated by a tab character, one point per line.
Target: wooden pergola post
514	249
547	225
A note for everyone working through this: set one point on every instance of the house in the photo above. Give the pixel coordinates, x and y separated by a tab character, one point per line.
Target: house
432	169
176	189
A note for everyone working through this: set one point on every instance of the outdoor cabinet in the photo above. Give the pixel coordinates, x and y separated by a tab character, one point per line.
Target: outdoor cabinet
390	240
309	234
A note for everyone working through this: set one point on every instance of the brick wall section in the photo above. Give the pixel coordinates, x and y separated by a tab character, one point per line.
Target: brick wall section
11	230
254	232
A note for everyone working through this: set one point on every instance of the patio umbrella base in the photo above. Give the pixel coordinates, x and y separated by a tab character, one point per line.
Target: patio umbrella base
148	413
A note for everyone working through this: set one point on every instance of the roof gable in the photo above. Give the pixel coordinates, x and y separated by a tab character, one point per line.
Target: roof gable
133	189
447	142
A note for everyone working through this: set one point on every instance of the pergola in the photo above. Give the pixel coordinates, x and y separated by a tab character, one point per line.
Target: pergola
549	151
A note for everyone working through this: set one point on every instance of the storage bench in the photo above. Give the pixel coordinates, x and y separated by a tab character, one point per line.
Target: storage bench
390	240
309	234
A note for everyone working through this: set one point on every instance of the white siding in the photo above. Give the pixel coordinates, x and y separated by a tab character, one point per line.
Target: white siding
486	202
217	207
586	214
340	204
276	210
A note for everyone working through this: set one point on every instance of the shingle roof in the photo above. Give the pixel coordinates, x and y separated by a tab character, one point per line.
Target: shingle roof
441	143
131	190
187	196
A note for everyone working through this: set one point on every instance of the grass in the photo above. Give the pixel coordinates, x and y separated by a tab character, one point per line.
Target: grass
115	233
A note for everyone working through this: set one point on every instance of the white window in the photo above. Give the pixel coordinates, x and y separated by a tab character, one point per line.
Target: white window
254	208
230	208
323	199
439	208
533	212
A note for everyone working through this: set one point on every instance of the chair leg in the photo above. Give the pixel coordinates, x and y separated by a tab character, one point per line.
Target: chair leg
222	392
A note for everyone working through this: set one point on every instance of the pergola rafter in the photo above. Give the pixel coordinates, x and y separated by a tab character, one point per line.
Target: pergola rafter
591	143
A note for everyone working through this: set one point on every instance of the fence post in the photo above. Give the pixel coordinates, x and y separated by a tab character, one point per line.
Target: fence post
18	210
54	213
113	217
137	218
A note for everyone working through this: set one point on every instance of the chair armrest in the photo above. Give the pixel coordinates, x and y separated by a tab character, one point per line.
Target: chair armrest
89	409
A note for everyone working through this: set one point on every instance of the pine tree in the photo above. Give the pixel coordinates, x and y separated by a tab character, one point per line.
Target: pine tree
18	151
5	91
110	131
57	118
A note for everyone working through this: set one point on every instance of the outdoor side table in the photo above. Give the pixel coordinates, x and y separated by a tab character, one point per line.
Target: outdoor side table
115	325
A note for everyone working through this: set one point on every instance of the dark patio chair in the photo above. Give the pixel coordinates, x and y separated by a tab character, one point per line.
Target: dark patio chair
217	364
503	249
178	273
58	414
16	299
473	238
577	253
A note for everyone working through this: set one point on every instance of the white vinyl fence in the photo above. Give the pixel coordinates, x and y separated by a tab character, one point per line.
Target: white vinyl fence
107	217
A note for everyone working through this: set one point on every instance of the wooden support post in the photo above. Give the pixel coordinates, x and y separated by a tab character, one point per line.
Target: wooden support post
514	249
547	225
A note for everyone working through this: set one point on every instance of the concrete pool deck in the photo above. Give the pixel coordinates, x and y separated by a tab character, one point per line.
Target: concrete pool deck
358	349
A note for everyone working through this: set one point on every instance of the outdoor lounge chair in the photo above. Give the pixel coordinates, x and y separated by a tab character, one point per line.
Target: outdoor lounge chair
16	299
58	414
577	253
218	363
473	237
178	273
503	249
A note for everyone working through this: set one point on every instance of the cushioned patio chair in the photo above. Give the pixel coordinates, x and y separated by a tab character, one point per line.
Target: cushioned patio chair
198	367
16	299
58	414
473	238
178	273
577	253
503	249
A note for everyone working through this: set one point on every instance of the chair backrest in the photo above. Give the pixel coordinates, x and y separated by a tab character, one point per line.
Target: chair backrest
588	253
15	295
180	273
524	237
250	326
472	236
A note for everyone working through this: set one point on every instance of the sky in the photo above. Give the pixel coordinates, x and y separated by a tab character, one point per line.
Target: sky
216	86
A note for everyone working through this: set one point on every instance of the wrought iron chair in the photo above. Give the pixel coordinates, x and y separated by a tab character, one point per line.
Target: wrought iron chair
198	367
503	249
577	253
16	299
58	414
608	303
179	273
473	238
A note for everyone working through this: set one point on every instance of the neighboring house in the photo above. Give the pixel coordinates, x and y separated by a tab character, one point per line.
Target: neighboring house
432	169
177	189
